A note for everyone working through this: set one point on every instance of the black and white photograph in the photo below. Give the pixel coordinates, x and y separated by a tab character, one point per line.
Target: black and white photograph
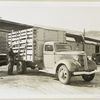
49	49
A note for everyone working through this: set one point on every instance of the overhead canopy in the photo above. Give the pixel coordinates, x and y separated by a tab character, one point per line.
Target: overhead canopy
79	38
8	26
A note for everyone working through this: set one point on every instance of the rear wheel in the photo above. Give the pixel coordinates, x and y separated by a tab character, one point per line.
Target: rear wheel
10	68
88	77
21	67
64	74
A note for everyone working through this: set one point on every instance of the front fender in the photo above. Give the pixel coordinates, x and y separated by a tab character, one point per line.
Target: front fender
92	65
71	64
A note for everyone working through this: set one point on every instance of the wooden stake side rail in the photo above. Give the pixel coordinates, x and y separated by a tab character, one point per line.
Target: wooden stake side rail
22	43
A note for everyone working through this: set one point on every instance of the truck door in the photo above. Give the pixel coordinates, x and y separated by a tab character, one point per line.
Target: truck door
49	56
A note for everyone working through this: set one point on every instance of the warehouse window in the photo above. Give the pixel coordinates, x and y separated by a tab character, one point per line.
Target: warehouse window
48	48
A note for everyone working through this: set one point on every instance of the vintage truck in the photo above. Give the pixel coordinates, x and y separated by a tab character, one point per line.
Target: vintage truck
47	50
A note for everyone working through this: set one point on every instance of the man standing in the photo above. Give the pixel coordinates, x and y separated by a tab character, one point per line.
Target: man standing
10	61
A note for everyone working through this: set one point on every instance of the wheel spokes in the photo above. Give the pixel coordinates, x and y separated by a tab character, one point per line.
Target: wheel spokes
63	74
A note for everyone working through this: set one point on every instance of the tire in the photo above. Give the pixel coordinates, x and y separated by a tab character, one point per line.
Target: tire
21	67
63	74
88	77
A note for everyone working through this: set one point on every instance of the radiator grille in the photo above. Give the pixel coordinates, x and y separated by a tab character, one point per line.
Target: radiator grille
83	61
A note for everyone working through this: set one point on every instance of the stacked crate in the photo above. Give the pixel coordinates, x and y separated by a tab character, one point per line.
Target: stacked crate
22	43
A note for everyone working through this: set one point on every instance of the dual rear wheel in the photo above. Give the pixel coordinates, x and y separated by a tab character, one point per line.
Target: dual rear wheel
21	67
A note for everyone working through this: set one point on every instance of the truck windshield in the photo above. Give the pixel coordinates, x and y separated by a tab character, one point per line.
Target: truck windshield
62	47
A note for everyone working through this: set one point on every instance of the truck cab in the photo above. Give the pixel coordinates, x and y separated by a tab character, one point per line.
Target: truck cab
63	61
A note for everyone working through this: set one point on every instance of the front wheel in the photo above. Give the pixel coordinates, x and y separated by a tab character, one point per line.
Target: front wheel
64	74
88	77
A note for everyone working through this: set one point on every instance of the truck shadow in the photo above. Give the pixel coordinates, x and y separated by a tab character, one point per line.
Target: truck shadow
28	73
39	73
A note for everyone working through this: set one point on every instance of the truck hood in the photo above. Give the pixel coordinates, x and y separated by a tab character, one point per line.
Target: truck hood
71	53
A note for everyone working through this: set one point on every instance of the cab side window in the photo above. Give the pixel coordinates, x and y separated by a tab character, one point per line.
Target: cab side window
48	48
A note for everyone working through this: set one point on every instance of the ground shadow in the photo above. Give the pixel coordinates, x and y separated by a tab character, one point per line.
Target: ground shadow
29	72
79	82
38	73
3	73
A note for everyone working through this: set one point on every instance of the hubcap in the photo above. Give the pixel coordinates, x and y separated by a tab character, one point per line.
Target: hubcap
63	74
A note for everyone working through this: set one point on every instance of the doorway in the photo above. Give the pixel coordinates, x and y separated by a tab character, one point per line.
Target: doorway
96	49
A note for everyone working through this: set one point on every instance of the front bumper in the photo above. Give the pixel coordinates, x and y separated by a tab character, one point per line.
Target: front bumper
86	73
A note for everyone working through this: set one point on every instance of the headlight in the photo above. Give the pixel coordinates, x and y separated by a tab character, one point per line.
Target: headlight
79	59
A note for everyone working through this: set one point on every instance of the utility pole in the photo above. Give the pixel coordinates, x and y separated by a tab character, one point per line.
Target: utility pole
83	37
